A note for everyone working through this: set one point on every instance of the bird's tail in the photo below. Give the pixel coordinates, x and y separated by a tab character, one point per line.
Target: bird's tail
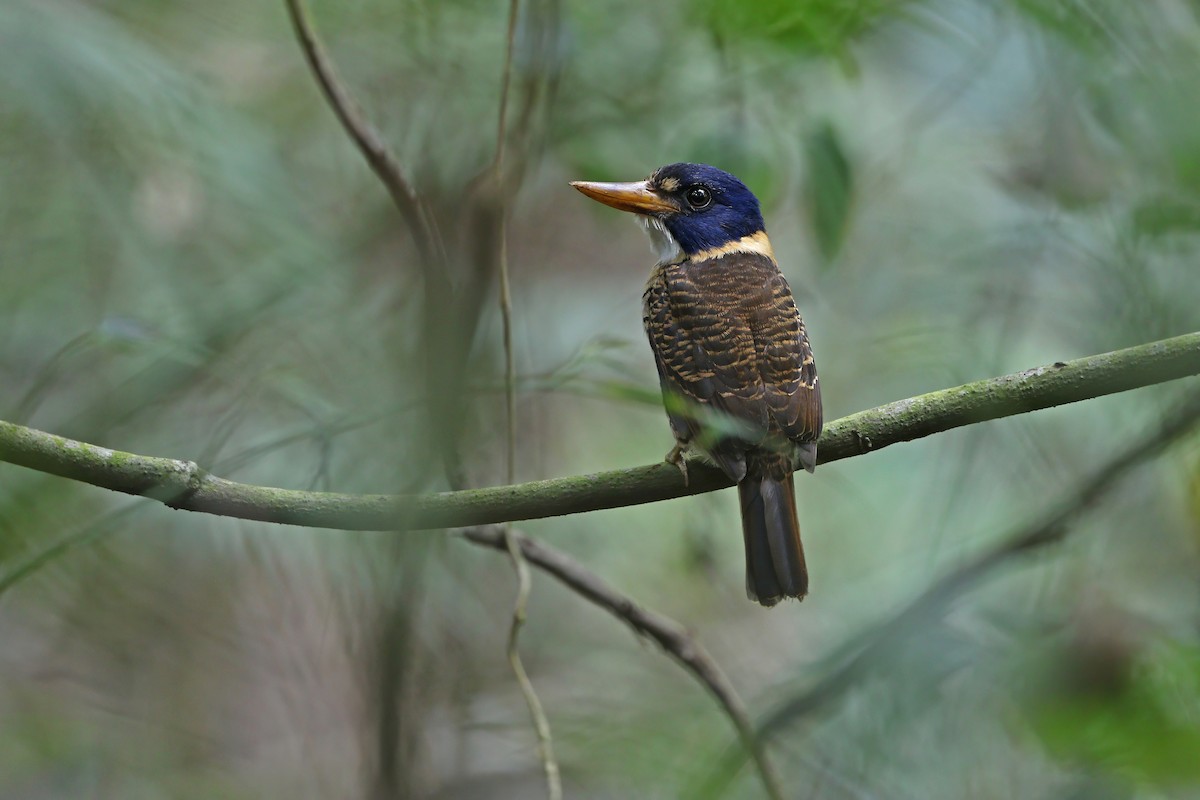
774	555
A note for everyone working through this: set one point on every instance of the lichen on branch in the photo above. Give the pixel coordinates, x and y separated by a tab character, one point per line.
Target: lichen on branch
184	485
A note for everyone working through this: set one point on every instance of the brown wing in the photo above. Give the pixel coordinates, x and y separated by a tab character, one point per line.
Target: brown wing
726	335
785	364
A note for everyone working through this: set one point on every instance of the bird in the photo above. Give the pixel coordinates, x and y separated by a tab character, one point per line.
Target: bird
735	366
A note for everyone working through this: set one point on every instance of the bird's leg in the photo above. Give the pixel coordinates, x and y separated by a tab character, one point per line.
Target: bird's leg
677	456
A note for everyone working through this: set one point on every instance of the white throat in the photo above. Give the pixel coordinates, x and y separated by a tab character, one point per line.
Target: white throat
661	240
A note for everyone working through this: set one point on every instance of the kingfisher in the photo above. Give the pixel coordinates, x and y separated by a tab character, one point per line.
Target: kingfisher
734	362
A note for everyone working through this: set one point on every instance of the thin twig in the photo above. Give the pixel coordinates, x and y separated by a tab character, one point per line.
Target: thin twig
541	723
873	646
510	368
672	637
443	350
372	146
185	485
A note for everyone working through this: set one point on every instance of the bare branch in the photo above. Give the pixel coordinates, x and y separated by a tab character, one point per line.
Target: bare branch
372	146
184	485
508	540
873	646
541	723
672	637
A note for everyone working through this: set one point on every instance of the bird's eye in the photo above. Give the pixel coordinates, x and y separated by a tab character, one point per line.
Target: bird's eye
698	197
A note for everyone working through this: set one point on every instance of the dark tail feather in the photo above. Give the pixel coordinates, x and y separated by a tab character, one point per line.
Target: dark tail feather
774	556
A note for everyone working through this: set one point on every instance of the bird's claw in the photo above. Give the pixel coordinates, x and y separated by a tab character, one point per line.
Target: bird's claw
677	456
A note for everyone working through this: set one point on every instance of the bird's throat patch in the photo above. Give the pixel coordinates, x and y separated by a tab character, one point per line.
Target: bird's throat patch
661	240
754	243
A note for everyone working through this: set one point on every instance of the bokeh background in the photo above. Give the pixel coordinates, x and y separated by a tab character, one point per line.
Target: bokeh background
195	262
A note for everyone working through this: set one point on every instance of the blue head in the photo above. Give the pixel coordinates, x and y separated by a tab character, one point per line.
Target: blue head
696	207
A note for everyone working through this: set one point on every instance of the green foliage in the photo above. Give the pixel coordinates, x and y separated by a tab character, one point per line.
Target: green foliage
1141	728
815	27
830	184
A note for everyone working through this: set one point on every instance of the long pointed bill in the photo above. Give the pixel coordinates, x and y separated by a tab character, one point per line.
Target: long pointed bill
636	197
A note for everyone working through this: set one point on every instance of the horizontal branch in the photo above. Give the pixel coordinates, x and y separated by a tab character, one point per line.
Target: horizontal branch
184	485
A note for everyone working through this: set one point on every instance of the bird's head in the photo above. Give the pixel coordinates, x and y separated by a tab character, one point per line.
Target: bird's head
690	210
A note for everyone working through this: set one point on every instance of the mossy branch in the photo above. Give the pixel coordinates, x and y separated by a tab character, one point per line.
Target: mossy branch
184	485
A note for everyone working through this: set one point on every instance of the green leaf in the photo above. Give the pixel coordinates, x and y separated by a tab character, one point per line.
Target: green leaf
815	26
830	189
1162	216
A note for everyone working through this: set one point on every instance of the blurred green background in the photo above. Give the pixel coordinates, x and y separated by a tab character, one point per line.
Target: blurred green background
195	262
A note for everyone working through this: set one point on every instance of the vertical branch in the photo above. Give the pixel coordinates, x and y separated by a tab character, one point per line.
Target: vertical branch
396	750
510	374
510	366
541	723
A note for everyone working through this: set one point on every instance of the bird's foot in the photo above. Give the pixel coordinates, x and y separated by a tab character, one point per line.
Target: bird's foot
678	457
